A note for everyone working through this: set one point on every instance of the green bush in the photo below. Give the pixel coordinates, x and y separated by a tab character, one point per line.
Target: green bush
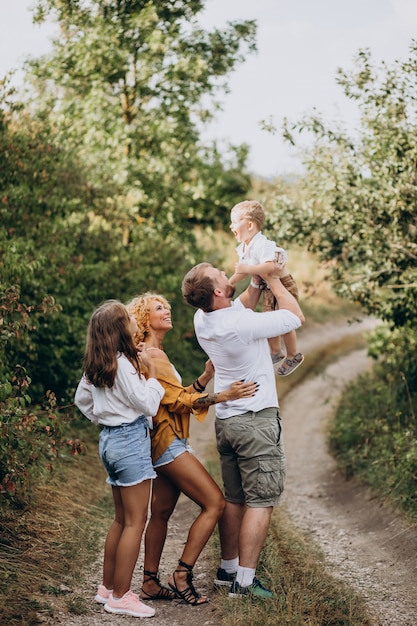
31	437
375	431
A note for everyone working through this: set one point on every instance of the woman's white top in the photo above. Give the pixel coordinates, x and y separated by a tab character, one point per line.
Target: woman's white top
131	396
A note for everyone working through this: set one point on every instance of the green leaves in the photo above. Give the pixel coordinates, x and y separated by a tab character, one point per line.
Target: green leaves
128	85
103	179
357	206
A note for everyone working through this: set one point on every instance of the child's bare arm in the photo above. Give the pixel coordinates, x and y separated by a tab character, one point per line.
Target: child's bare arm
253	270
236	278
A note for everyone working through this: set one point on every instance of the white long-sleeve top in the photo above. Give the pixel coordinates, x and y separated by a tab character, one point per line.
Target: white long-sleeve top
131	396
235	339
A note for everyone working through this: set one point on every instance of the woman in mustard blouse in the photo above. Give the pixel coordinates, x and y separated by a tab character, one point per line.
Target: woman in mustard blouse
177	468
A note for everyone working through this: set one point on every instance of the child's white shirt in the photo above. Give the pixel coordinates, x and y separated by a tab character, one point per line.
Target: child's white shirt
259	250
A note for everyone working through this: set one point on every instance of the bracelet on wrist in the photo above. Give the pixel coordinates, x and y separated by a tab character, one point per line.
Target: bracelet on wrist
198	386
253	284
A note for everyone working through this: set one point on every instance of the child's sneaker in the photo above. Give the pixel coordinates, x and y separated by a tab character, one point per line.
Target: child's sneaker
255	590
103	594
129	604
223	578
290	365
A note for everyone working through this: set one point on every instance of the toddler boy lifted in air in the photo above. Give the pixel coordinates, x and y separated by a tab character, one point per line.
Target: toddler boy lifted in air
255	252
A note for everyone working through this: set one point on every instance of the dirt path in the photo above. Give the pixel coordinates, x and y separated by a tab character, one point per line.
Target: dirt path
363	541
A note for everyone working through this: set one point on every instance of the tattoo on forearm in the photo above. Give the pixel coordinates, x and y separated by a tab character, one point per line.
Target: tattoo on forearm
208	400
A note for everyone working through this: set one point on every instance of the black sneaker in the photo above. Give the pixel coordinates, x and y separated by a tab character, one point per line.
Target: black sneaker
255	590
223	578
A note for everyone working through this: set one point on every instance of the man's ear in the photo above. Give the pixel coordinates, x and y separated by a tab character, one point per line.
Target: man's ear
217	291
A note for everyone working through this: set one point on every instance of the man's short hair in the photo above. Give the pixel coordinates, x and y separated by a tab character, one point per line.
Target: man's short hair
197	288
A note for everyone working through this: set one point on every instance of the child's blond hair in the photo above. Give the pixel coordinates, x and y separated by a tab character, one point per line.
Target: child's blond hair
252	210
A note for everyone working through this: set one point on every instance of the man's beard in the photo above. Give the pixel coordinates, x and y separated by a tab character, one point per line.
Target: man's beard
230	291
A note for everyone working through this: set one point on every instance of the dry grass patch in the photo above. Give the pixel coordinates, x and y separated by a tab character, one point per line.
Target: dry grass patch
305	594
44	547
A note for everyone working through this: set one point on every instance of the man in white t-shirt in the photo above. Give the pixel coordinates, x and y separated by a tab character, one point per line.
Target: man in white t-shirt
248	431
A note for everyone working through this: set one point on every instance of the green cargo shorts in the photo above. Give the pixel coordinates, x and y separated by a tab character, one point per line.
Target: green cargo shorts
252	457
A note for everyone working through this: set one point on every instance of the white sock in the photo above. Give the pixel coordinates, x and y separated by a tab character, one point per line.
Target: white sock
230	565
245	576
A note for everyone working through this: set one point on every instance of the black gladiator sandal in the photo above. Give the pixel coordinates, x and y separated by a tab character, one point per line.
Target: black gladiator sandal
189	594
162	594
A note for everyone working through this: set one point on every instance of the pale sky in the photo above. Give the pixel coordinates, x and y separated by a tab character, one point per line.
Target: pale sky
301	44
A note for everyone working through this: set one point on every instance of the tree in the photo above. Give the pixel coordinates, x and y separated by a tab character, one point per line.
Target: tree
359	196
357	209
105	178
102	180
129	84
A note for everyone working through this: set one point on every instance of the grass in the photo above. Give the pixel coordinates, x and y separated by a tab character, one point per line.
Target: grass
55	538
293	567
374	436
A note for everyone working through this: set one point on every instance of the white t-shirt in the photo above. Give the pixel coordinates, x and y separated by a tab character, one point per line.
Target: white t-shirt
259	250
131	396
235	339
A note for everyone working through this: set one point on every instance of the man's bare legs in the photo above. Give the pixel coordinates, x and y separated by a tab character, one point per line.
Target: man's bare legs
229	529
243	532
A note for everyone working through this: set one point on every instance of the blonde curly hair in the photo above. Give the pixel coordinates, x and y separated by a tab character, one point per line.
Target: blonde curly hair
139	307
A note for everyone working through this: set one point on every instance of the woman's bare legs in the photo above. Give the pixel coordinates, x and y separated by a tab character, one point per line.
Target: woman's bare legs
124	536
190	477
164	498
112	540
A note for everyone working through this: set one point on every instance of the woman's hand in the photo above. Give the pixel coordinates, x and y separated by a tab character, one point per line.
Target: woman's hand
240	389
146	359
203	380
208	371
237	390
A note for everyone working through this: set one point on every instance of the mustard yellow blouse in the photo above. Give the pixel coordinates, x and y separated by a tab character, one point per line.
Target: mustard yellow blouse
173	417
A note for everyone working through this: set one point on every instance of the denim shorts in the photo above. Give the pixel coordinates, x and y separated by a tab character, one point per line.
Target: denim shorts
252	457
177	447
125	452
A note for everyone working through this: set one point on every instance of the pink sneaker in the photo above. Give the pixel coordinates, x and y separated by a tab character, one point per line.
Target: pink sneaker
129	604
103	594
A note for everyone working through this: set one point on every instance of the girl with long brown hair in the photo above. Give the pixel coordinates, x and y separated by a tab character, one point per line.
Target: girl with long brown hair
115	394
